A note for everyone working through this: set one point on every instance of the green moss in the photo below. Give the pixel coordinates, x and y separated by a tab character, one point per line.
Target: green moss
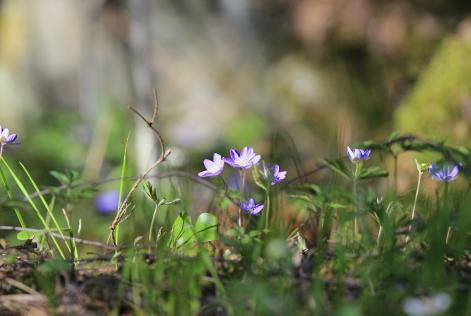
434	106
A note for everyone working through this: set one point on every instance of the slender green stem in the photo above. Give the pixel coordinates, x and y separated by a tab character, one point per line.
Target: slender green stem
448	234
226	187
153	220
73	244
446	210
355	200
121	186
395	173
415	204
11	197
242	194
445	196
267	208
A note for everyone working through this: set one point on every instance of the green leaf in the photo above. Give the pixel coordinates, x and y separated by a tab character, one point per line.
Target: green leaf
73	175
338	206
151	192
182	232
61	177
24	235
314	189
421	167
206	227
301	197
256	175
172	202
369	144
373	172
339	167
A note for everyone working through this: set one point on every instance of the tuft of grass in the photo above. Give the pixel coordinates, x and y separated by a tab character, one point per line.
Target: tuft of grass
27	195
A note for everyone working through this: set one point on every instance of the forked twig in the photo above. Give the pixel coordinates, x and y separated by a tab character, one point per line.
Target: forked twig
164	153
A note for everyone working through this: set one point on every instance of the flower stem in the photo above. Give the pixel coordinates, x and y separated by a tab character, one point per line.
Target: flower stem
445	197
415	205
448	234
154	215
226	187
355	204
242	191
267	206
395	173
445	208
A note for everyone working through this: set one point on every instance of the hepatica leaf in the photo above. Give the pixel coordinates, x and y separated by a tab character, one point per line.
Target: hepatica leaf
182	232
373	172
206	227
24	235
61	177
338	167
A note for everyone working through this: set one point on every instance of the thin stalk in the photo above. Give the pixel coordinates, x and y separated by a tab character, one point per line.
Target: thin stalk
445	196
445	207
380	231
73	245
153	220
267	207
395	172
10	195
242	191
226	187
121	185
355	201
448	234
415	204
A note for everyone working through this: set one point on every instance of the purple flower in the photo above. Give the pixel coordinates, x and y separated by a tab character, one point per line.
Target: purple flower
251	207
6	138
445	174
245	160
107	202
213	168
358	154
273	174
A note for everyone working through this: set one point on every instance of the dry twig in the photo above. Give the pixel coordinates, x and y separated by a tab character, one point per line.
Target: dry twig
164	153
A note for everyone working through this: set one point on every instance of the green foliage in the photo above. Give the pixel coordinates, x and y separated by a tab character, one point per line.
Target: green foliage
436	105
334	247
206	227
185	234
340	168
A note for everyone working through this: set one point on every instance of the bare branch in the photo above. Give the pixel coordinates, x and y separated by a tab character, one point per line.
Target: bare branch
156	107
163	156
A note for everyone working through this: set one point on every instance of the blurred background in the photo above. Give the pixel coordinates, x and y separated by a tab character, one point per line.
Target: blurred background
306	77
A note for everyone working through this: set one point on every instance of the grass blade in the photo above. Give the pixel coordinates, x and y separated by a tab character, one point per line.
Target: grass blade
10	196
121	183
33	205
43	200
